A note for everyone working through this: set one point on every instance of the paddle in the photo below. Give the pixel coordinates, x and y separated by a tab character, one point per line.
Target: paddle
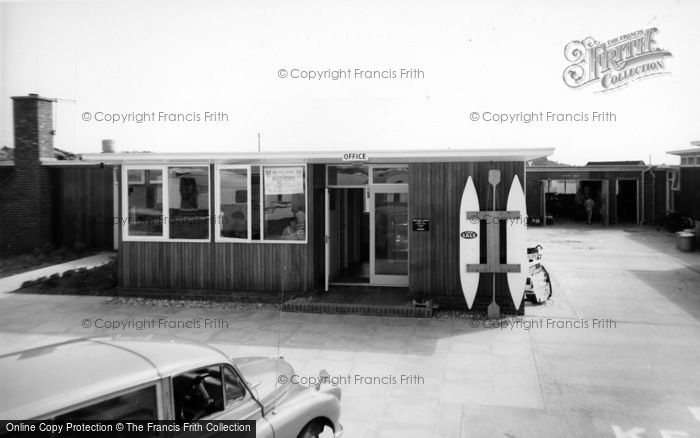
494	311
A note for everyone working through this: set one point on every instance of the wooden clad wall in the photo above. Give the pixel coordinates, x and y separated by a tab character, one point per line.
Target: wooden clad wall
690	192
654	196
232	266
83	206
435	192
215	266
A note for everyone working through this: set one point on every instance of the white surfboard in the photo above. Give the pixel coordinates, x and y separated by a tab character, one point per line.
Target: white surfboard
516	241
469	250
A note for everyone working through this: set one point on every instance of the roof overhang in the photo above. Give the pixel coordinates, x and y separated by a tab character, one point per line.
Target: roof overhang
691	151
324	157
634	168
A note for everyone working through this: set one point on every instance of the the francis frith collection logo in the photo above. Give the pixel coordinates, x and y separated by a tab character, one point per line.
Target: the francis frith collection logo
614	63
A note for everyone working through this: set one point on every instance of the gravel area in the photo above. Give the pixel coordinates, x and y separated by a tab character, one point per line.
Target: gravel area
191	304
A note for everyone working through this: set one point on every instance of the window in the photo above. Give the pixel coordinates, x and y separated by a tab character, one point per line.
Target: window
138	404
357	175
675	180
243	210
188	189
145	207
690	160
562	186
166	202
390	175
284	203
233	388
198	394
233	217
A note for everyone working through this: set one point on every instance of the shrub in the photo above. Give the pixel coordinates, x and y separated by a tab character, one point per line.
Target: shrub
61	252
47	248
79	247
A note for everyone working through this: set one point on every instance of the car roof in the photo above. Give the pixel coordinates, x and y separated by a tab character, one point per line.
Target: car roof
51	374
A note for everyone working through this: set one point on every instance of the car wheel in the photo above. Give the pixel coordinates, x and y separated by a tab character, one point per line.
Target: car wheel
312	430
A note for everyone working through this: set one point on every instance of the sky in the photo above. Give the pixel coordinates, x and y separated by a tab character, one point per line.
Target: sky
185	58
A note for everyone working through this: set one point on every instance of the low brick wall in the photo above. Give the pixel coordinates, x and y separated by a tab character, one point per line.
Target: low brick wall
361	309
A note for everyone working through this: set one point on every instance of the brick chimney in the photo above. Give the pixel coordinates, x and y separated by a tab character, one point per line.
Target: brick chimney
33	124
27	195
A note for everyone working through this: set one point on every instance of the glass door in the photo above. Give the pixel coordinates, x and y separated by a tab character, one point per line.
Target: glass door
389	236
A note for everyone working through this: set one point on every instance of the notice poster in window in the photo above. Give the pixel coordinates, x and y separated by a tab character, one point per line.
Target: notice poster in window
284	180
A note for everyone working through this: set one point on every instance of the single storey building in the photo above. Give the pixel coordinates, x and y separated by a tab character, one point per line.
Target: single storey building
689	183
623	192
301	221
279	221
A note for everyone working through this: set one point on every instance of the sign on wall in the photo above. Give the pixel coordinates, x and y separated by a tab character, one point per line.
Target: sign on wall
355	156
284	180
421	224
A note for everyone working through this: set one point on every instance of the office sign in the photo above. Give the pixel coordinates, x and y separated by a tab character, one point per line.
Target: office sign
355	156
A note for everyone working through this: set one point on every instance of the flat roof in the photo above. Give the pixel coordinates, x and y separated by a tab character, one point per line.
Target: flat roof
686	151
616	163
322	157
595	168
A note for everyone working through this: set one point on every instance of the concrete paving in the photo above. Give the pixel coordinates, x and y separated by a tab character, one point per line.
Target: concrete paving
615	353
14	282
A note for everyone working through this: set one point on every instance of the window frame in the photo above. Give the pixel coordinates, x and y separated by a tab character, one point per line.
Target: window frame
246	392
675	180
247	396
262	205
217	201
370	175
164	168
157	384
372	167
347	165
249	169
690	160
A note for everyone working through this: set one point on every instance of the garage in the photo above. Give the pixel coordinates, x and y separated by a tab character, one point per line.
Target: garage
617	192
565	200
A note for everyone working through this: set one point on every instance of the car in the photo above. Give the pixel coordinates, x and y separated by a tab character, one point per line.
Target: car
125	377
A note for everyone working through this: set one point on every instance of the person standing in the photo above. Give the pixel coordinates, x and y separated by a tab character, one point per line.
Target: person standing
590	206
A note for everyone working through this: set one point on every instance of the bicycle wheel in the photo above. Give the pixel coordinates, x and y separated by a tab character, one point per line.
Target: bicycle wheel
549	283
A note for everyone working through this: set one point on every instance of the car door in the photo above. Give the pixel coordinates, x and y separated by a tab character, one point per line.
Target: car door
229	398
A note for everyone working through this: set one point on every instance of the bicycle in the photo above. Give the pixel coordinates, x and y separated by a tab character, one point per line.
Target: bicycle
674	221
538	287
